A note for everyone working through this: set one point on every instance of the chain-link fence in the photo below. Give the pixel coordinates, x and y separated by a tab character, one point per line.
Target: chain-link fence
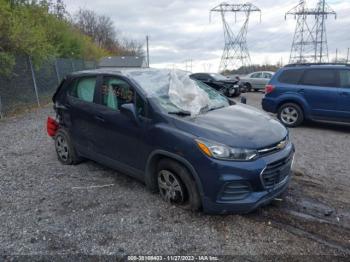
29	86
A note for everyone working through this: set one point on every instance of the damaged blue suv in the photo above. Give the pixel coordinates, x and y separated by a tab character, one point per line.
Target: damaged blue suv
180	137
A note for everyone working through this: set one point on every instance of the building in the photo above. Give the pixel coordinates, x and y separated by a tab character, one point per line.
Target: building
123	62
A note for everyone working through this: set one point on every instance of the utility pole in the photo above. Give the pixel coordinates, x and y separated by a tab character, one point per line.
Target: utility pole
336	55
235	52
310	40
347	56
147	46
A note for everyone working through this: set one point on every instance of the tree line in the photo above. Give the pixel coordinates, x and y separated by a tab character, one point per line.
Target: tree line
43	29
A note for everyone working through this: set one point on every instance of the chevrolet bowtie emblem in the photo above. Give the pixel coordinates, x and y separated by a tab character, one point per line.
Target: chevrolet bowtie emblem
282	144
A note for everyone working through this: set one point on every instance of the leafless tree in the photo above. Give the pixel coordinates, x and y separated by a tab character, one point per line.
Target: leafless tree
102	31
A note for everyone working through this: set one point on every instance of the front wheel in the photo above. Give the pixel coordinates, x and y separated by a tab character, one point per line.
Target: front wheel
236	93
176	185
290	114
248	87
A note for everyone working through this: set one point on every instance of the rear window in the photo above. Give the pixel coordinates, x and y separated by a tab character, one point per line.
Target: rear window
320	77
291	76
84	89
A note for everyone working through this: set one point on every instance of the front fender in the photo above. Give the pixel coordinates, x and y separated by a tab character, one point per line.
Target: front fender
150	178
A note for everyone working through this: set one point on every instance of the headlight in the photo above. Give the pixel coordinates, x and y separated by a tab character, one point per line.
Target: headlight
219	151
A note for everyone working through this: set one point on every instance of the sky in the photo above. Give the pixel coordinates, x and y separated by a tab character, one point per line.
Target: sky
180	30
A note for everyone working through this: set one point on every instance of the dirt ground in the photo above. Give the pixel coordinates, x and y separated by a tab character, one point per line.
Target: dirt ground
47	208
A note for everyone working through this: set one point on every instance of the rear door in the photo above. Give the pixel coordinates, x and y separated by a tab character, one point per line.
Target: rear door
82	108
257	80
344	94
319	88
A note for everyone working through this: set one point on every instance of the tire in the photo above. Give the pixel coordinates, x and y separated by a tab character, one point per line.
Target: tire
248	87
189	198
66	153
236	93
256	90
290	115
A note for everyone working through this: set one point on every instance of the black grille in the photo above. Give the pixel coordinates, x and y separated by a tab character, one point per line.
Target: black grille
277	172
235	191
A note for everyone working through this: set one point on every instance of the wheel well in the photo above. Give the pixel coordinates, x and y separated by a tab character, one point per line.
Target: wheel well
292	102
151	175
247	84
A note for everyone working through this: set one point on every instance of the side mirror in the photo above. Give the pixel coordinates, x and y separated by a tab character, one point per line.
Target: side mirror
129	111
243	100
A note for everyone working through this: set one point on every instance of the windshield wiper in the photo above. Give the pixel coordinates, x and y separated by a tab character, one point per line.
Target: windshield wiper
180	113
214	108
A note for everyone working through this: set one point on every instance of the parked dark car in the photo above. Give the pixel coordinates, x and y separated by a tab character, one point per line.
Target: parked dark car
206	152
319	92
228	87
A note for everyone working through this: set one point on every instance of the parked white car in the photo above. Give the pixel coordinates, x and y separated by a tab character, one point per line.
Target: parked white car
256	80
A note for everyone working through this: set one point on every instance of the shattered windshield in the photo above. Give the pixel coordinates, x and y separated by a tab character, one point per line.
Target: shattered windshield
218	76
176	92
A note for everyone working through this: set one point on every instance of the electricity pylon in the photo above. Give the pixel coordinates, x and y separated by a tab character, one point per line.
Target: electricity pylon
310	40
236	49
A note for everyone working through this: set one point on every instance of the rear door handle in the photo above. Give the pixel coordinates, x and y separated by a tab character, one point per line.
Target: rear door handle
301	91
99	118
345	93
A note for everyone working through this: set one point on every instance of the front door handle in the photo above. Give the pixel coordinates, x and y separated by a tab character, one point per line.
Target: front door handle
345	93
99	118
301	91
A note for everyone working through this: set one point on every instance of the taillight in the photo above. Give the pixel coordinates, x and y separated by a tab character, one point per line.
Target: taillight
51	126
269	89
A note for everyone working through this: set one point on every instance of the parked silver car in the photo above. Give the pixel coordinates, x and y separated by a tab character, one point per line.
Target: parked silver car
256	80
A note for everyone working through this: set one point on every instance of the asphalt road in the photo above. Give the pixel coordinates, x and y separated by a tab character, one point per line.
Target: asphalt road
47	208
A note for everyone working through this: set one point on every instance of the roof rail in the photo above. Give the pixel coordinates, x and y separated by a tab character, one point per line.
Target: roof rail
311	64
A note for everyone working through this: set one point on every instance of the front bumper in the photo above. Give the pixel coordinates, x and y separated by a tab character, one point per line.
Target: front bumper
255	200
243	189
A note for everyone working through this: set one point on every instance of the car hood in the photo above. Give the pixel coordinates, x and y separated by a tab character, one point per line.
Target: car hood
237	126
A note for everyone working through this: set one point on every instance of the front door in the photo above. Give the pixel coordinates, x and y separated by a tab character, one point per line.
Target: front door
122	139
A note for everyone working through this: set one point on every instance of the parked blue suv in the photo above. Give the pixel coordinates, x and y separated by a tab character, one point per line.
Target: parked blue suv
180	137
319	92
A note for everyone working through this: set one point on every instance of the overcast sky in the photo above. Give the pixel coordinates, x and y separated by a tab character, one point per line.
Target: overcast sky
180	30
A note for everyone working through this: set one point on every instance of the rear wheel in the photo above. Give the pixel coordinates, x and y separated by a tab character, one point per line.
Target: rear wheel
64	148
177	186
290	114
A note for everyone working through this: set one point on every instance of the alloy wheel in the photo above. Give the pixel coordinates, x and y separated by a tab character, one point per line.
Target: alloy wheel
289	115
62	148
170	187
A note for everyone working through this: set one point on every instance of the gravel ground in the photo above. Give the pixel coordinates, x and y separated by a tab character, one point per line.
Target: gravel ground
47	208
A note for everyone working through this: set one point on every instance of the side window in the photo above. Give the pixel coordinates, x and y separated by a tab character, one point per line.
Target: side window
84	89
256	75
205	77
291	76
116	92
344	77
320	77
200	77
267	75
